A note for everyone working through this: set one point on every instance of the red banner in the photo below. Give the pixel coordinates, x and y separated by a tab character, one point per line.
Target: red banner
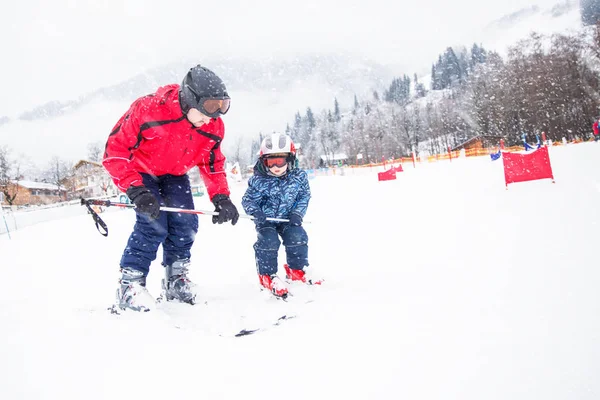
388	175
527	167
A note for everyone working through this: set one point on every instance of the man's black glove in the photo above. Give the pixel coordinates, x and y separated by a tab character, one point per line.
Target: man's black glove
226	210
295	219
259	217
145	202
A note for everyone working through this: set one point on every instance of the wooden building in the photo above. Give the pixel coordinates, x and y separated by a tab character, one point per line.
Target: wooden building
480	142
35	193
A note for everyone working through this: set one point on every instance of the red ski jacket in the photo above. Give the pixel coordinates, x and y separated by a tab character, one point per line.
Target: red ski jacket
154	137
595	128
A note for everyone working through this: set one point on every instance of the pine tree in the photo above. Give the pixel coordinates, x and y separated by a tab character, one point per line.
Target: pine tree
296	129
478	55
310	118
435	84
336	111
451	71
590	11
399	91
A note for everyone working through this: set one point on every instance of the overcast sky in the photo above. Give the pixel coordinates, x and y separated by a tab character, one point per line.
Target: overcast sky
60	49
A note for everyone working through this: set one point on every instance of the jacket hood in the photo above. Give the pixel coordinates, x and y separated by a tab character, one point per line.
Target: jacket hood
169	94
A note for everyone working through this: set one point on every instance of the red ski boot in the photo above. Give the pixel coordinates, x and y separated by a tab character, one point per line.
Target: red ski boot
274	285
298	275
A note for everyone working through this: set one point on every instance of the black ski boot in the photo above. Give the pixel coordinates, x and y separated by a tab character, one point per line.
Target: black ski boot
176	285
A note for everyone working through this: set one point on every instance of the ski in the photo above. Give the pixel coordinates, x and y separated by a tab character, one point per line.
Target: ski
246	332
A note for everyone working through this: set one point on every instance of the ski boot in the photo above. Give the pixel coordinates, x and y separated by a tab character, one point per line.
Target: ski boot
132	293
300	275
176	285
274	285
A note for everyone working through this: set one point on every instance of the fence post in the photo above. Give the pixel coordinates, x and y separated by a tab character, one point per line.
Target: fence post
4	219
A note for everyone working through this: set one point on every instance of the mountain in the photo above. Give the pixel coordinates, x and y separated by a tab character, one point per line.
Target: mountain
498	35
296	82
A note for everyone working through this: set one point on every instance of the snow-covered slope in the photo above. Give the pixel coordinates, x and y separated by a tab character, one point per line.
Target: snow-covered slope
441	284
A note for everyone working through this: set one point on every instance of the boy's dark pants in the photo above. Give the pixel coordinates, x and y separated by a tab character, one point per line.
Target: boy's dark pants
266	247
175	231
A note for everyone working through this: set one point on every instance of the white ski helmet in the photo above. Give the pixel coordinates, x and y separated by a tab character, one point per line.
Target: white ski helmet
276	143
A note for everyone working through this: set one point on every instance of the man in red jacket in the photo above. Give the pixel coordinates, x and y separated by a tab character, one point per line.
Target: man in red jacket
148	154
596	129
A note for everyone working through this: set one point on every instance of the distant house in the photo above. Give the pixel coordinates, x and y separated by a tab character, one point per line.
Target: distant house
36	193
92	180
334	159
479	142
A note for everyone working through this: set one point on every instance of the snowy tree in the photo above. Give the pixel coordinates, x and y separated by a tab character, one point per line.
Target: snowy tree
548	84
5	175
590	11
58	173
328	135
336	111
95	151
399	91
356	105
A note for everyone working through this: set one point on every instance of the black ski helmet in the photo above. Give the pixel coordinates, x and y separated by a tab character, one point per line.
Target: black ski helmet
201	84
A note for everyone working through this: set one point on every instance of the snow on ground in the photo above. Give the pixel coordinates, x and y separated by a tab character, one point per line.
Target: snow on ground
439	285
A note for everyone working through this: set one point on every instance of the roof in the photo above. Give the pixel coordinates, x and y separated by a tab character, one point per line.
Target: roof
37	185
82	162
334	157
475	138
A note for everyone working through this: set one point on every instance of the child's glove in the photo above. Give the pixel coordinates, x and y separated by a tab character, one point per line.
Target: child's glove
145	202
226	210
295	219
259	217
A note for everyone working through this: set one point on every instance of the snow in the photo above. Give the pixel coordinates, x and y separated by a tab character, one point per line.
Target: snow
441	284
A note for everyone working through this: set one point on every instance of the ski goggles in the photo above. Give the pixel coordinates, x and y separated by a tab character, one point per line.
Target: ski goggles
210	106
278	161
214	107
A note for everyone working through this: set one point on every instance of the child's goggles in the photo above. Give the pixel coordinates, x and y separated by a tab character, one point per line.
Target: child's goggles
277	161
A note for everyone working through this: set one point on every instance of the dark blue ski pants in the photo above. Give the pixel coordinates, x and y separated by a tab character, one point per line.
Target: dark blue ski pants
266	247
175	231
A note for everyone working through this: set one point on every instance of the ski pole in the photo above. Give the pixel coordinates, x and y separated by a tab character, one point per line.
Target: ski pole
107	203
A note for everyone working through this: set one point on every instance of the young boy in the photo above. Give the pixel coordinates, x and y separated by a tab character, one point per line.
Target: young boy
280	190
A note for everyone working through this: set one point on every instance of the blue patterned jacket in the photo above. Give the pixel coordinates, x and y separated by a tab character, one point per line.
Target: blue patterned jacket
277	197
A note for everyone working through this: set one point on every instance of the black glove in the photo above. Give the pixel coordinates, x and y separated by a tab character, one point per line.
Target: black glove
145	202
295	219
259	217
226	210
